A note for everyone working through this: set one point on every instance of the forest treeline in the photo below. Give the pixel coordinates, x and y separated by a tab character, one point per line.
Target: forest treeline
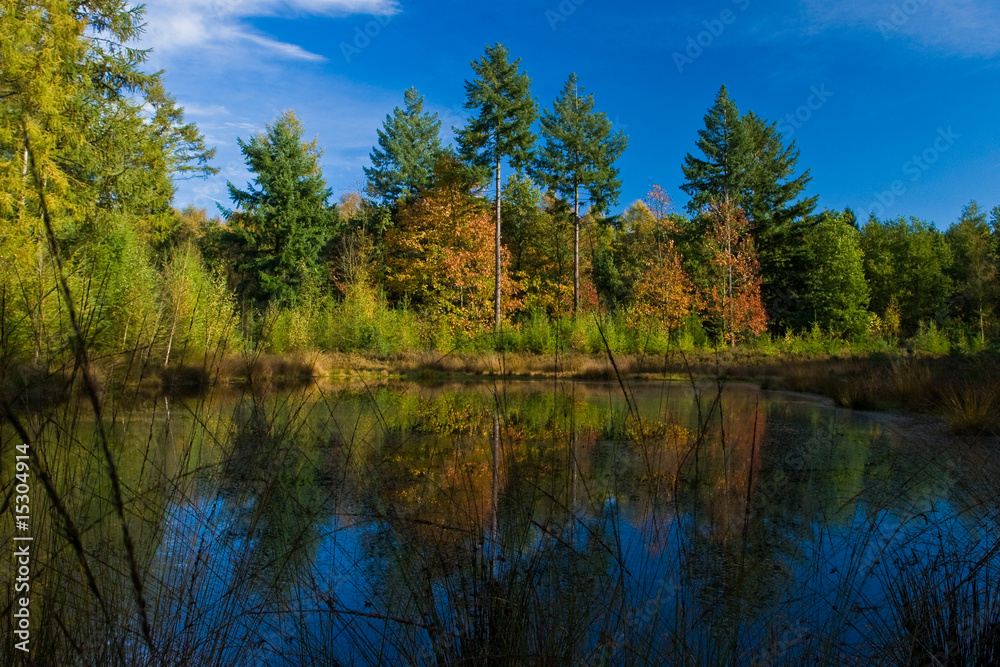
503	240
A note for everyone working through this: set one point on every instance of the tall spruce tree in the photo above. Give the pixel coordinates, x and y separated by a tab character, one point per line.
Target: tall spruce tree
747	164
409	149
577	159
283	220
500	130
721	175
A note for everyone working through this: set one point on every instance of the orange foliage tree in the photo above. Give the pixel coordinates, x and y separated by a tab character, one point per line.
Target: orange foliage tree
662	291
440	255
733	296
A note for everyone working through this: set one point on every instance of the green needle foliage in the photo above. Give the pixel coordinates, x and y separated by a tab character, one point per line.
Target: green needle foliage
721	175
577	159
501	129
746	163
283	221
410	147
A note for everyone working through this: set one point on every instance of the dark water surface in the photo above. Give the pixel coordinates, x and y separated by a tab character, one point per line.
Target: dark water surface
549	523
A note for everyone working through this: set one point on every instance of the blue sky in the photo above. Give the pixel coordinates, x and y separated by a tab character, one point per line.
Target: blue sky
895	106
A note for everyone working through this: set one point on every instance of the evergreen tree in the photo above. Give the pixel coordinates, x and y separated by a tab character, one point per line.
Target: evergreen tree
577	159
409	150
721	175
501	129
747	164
75	135
283	220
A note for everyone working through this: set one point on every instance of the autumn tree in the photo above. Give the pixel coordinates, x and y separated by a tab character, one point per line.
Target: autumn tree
282	220
440	253
661	290
501	130
733	298
409	148
577	159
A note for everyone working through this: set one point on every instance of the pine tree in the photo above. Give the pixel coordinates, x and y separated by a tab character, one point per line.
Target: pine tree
577	159
501	130
283	220
409	150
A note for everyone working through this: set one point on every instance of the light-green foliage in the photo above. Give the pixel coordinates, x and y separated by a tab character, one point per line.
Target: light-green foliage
200	309
837	294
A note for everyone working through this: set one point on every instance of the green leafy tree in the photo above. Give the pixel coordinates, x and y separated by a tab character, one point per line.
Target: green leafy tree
501	130
577	159
409	148
283	220
836	294
906	266
974	268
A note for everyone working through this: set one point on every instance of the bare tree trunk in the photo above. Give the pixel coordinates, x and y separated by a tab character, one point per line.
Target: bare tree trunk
576	250
496	312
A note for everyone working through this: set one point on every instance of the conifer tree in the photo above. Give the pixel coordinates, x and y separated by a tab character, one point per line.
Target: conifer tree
577	159
500	130
409	148
721	175
283	220
747	164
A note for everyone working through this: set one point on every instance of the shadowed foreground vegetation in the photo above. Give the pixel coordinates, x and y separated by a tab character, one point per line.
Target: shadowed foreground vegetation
501	522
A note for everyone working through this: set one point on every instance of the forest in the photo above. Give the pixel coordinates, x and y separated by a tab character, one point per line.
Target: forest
504	240
254	435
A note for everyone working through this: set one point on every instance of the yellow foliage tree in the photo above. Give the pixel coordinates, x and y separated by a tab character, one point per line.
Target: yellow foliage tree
440	255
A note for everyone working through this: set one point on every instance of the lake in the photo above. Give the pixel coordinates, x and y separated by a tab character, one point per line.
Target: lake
511	523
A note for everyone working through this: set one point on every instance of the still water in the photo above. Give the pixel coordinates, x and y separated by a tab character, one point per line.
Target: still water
556	523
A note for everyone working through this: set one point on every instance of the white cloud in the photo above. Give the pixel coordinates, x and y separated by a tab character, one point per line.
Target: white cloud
186	27
958	27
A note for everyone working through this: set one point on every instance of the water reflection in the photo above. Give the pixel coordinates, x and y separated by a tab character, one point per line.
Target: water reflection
553	523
